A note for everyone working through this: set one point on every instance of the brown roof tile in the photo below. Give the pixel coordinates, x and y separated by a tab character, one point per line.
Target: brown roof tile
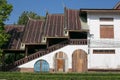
117	6
16	33
54	25
33	32
72	19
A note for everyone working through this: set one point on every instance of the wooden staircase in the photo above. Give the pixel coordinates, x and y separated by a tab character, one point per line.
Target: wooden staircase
44	52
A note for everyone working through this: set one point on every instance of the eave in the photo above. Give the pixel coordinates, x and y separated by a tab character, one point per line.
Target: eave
83	30
99	10
56	37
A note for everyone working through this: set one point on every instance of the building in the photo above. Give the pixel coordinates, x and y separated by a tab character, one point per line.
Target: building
75	41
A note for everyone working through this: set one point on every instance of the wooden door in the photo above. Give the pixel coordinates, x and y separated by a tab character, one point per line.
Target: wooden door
60	65
79	61
60	59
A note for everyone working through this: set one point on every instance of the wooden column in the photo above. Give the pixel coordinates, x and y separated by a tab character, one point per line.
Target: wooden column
26	52
47	43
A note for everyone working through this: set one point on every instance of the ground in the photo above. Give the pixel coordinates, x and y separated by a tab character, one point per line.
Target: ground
59	76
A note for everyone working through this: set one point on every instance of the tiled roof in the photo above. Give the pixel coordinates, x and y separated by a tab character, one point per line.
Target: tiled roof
33	32
54	25
15	32
72	19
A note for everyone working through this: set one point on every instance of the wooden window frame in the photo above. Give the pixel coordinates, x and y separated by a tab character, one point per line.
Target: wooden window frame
104	51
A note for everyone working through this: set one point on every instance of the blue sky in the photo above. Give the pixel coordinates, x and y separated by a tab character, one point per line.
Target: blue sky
54	6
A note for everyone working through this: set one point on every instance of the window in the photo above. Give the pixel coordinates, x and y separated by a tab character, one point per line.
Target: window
106	19
106	31
103	51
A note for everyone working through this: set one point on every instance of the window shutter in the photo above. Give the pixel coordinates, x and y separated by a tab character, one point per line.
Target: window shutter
106	31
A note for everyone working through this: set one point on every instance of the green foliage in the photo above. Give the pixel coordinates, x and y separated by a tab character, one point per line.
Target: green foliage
26	15
59	76
5	10
11	57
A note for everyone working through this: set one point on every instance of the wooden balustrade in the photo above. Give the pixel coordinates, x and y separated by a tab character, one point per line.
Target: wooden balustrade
48	50
57	46
78	41
29	58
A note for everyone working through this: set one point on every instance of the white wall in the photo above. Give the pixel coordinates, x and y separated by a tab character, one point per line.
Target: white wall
104	61
94	24
68	50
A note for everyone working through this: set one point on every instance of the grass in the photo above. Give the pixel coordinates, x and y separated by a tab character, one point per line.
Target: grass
58	76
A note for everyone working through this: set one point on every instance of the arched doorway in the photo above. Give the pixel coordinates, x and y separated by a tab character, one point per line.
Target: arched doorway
79	61
60	62
41	66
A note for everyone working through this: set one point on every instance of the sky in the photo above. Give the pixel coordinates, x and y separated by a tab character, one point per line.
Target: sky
54	6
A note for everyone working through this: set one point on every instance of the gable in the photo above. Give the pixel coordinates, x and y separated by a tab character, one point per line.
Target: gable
15	32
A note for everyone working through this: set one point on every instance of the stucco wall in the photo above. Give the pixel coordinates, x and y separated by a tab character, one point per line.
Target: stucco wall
68	50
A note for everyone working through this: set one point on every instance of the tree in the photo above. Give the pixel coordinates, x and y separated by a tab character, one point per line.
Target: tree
25	17
5	10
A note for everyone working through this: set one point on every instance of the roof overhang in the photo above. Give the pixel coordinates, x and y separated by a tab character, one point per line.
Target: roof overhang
83	30
57	37
100	10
